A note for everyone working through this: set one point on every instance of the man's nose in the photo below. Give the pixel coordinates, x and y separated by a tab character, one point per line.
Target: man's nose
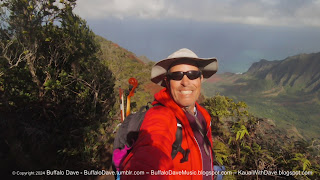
185	80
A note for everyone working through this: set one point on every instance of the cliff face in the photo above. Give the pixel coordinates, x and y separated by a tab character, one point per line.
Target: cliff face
287	91
300	72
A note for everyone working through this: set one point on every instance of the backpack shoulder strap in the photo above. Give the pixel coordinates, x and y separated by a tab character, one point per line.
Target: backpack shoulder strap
176	146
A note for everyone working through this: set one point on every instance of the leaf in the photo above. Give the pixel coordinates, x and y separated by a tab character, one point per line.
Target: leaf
244	131
306	164
238	135
30	7
230	140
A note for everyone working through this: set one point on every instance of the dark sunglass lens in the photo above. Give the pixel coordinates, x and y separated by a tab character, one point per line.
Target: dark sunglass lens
193	74
176	75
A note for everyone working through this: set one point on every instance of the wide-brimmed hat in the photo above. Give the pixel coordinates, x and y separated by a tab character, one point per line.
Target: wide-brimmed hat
208	66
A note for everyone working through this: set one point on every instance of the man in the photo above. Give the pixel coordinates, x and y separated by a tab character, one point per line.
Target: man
181	74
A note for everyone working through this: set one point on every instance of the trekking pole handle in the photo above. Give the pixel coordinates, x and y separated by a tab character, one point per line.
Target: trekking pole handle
134	82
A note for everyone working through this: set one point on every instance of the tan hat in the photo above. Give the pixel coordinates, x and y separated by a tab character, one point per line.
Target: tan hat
208	66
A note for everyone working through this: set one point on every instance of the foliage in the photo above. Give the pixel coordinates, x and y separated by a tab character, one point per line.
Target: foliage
244	142
125	65
55	92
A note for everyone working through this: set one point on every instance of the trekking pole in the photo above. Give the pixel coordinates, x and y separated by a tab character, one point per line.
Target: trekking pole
134	82
121	104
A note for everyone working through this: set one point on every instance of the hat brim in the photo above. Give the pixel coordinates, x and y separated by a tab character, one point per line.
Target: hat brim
208	66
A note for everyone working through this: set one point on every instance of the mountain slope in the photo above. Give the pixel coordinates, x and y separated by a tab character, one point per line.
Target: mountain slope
287	91
124	65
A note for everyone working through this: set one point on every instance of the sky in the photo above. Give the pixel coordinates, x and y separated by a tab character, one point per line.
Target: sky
236	32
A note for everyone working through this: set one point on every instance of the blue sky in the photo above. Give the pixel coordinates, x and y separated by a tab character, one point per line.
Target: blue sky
237	32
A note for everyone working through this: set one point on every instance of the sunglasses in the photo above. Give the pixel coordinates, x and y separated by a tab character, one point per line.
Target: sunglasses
178	75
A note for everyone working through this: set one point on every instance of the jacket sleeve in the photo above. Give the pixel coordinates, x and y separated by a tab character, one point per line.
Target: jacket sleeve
152	151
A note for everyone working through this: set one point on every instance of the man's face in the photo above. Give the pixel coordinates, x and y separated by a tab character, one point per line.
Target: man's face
185	92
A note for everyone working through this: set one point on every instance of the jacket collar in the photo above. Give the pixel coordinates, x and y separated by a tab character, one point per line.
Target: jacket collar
163	97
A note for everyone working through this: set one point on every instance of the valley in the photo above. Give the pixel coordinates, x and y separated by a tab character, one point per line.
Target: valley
278	90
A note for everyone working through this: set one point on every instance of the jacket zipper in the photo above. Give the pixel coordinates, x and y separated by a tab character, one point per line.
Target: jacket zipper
211	155
199	150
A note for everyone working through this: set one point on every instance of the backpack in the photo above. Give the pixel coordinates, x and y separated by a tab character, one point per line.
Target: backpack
128	132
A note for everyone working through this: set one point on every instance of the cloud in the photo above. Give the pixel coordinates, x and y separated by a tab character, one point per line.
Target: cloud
99	9
255	12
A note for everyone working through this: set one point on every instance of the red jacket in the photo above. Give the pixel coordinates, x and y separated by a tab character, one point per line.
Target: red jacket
152	151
